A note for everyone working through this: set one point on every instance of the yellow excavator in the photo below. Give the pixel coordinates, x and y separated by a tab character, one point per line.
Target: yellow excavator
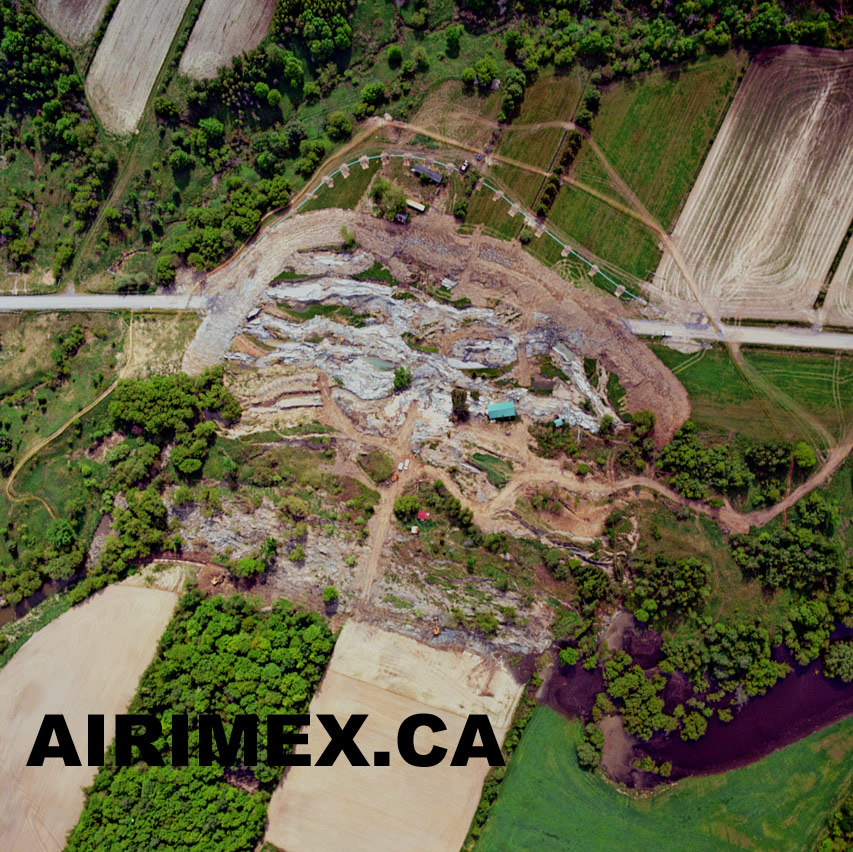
436	627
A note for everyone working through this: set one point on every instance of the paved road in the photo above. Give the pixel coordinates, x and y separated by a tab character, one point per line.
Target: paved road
85	302
804	338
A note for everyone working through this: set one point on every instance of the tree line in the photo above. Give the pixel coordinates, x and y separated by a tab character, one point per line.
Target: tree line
220	656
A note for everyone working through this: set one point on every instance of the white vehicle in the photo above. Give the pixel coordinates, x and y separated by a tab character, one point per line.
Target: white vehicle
406	465
400	466
464	167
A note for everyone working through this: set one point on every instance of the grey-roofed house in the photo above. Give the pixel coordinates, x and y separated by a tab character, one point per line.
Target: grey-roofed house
432	174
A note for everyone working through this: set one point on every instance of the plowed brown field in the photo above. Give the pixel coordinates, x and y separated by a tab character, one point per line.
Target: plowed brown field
775	196
129	58
398	807
839	297
73	21
87	661
225	29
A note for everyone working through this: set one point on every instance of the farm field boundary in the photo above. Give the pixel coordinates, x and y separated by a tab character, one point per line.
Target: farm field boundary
129	59
74	21
754	231
225	29
389	677
548	803
86	661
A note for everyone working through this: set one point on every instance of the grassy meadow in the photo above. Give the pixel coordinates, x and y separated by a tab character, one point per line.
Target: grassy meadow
499	471
731	598
347	192
655	131
492	214
720	398
549	804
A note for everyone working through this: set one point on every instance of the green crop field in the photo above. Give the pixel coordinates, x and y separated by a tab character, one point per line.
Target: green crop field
492	214
521	185
720	398
655	131
549	804
605	232
552	97
819	381
536	146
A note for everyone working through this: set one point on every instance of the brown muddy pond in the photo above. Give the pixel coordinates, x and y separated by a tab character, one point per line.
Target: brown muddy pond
804	702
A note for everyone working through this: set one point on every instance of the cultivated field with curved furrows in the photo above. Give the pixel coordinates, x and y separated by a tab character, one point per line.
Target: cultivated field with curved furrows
838	308
129	58
225	29
775	197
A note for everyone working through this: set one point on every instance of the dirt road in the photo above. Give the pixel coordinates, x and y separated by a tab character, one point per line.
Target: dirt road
400	448
14	497
380	523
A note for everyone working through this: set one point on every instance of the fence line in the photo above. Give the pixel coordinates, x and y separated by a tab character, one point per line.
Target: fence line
529	219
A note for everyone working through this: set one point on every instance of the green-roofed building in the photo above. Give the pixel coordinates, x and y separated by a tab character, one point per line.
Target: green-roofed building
502	411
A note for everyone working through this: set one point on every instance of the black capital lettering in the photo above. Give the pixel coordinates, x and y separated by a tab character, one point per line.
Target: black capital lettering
127	738
406	739
180	740
96	741
278	739
244	729
477	723
53	723
342	740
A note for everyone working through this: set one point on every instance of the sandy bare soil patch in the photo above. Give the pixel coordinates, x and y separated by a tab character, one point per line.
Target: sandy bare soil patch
399	807
775	196
74	21
450	110
87	661
225	29
129	58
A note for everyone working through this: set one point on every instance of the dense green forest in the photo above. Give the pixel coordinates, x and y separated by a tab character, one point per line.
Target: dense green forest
839	834
147	416
217	656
